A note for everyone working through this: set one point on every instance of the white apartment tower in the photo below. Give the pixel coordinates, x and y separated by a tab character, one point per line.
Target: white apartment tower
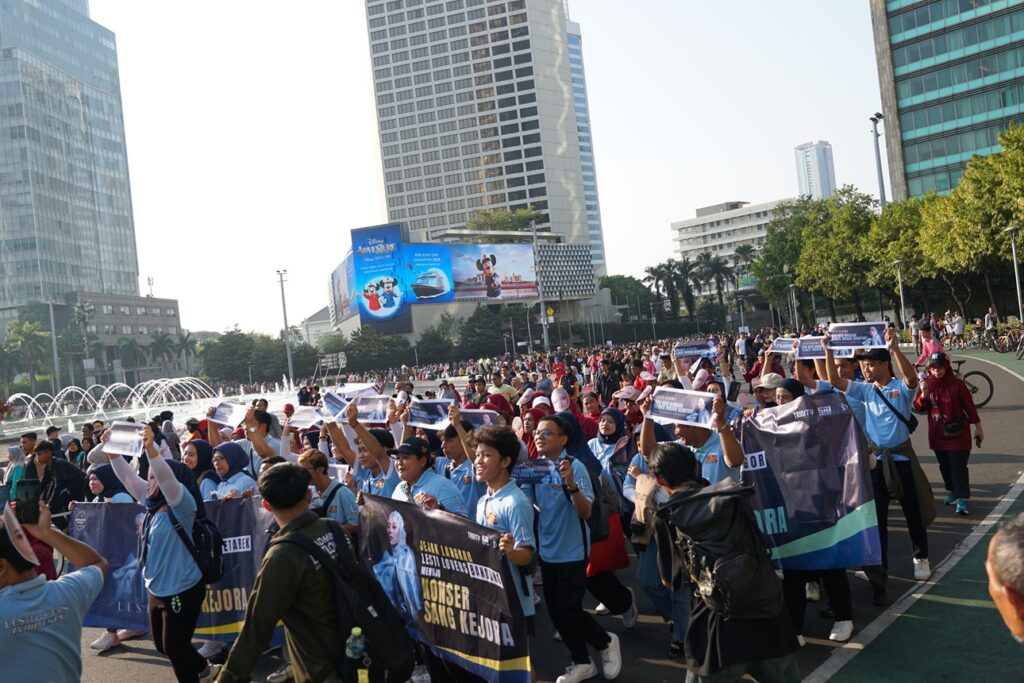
477	110
815	173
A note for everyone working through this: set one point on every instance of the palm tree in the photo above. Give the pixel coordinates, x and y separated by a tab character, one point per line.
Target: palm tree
742	257
686	278
717	270
671	285
30	345
68	343
655	277
186	346
132	354
7	371
161	349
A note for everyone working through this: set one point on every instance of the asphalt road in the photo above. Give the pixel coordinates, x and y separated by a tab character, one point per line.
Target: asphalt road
645	648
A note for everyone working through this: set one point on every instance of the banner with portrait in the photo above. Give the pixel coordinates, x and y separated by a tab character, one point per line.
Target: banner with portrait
813	498
451	584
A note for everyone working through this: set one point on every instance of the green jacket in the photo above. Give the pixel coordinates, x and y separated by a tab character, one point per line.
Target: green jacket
293	588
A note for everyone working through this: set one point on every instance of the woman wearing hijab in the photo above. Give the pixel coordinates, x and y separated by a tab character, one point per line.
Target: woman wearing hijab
198	457
106	488
230	461
174	583
75	454
611	426
531	418
396	571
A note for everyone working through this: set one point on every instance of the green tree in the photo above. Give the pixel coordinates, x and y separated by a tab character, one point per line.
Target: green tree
434	346
332	342
831	261
185	346
629	292
481	333
30	346
742	258
781	248
227	357
502	220
686	276
8	369
161	349
717	270
132	354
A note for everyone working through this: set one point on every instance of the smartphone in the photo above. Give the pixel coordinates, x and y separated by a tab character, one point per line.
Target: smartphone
977	442
26	508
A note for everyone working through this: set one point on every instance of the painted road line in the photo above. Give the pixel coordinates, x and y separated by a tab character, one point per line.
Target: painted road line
998	365
842	655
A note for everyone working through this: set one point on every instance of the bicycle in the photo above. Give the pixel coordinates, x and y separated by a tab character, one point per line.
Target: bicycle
979	384
1009	341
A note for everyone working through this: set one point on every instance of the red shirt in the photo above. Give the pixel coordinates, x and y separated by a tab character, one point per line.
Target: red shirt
947	400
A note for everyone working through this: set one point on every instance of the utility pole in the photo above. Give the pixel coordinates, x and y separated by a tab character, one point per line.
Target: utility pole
654	330
529	332
878	156
899	278
512	330
287	334
1016	269
55	383
540	291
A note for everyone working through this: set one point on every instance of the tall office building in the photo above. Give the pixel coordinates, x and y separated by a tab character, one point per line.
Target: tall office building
586	137
951	74
476	110
65	201
815	173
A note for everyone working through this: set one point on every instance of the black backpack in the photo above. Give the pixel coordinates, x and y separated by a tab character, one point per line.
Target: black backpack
361	601
724	551
206	545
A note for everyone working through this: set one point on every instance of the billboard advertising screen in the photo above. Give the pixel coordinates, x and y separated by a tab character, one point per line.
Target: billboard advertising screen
380	279
344	303
493	272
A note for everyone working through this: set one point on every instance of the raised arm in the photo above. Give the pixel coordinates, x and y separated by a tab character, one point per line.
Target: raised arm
169	485
213	429
902	362
648	439
133	483
803	375
76	552
830	367
730	446
341	443
376	449
455	417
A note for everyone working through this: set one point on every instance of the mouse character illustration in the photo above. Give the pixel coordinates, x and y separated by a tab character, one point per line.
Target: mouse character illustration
485	264
389	295
371	296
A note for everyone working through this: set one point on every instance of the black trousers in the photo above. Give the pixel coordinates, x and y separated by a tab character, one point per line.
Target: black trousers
911	511
955	477
837	585
607	588
172	620
565	584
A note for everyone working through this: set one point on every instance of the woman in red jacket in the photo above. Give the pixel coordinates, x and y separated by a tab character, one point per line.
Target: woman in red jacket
947	402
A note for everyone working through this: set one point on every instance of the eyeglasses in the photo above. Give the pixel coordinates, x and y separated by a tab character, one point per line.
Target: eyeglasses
218	458
546	433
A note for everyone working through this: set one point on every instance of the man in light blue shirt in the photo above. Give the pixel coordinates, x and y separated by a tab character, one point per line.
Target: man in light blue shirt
887	400
40	620
564	499
333	499
420	484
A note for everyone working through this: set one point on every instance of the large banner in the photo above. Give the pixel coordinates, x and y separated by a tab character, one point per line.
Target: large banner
494	272
450	583
808	461
344	301
380	279
113	530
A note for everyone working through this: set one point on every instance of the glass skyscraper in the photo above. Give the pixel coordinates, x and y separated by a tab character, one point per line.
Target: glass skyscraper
579	97
951	74
65	200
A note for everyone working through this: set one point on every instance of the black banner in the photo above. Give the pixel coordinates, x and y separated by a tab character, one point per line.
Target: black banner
451	584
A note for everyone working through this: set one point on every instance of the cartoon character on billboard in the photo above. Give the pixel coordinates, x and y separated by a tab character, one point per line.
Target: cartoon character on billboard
371	296
485	264
389	295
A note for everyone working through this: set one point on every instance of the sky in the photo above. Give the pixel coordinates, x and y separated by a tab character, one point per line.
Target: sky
252	138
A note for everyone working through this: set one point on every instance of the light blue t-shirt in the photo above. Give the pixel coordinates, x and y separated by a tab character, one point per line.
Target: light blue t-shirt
433	484
342	508
170	567
601	451
881	425
712	461
382	484
559	535
464	478
254	458
208	486
509	511
239	482
825	387
41	626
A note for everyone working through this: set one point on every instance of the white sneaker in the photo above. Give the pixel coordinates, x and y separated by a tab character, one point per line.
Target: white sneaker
922	569
629	617
211	648
578	672
601	610
105	642
281	675
420	674
813	591
124	634
841	631
611	658
800	639
863	576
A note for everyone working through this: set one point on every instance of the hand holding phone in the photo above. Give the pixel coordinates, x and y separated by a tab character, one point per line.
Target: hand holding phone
26	508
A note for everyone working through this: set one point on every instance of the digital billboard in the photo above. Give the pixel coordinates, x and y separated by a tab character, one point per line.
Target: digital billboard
380	279
384	277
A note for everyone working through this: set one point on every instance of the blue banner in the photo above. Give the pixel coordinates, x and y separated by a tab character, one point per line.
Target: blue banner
809	463
380	279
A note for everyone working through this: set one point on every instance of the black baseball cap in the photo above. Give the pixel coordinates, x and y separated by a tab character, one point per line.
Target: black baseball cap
414	445
937	358
875	354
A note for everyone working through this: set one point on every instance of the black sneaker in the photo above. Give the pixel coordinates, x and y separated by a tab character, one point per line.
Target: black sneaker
879	594
676	650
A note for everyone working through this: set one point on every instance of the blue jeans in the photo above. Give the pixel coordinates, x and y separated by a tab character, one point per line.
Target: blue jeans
672	605
776	670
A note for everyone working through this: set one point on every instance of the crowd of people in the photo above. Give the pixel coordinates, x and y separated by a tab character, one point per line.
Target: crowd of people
657	487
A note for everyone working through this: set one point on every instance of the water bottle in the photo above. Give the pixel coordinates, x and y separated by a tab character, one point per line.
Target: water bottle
355	653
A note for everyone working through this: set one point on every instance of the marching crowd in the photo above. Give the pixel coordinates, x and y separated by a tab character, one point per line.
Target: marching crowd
619	484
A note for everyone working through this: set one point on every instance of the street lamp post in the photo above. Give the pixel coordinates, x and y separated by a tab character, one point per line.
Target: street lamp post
540	291
878	156
1016	269
250	372
899	279
55	384
287	336
792	304
654	330
529	332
